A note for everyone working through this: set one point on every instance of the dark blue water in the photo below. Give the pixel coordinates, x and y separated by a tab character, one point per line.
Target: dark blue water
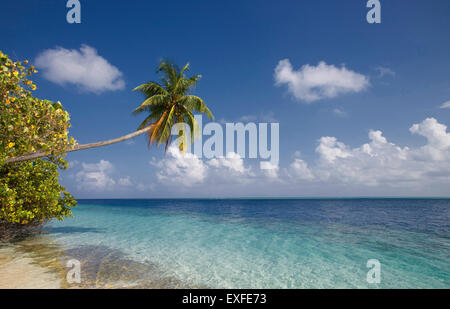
282	243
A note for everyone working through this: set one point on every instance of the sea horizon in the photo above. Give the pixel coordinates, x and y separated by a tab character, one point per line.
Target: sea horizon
275	198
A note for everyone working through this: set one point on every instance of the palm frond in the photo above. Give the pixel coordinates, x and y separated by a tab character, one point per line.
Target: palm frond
154	134
189	118
196	104
185	85
155	115
150	89
159	99
170	70
185	68
166	127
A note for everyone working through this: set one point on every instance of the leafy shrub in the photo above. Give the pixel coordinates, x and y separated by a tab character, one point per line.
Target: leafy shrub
29	190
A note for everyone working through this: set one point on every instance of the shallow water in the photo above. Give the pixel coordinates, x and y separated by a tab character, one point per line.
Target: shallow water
30	264
258	243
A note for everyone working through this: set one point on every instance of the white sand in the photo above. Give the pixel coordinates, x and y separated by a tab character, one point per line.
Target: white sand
20	272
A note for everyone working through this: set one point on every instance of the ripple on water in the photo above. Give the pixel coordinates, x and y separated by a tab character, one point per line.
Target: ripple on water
39	262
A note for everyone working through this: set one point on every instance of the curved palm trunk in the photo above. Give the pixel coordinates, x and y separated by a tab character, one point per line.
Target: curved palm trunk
37	155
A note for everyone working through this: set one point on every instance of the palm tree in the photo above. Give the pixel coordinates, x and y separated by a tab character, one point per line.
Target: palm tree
166	104
170	103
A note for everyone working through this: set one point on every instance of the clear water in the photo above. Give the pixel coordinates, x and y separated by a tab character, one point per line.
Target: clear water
272	243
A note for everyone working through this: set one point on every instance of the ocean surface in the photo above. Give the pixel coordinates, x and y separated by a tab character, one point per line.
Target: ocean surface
261	243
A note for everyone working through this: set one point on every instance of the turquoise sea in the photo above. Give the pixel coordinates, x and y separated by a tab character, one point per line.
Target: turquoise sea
259	243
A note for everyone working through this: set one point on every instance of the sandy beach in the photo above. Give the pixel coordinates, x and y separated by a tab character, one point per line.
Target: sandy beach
19	271
37	262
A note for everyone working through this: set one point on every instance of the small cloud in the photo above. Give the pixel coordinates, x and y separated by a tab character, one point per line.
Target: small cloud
384	71
248	118
312	83
445	105
269	169
268	117
125	182
176	168
73	164
262	117
339	112
232	162
83	68
146	187
95	176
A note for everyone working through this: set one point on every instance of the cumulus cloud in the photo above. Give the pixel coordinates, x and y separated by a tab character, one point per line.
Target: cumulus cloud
232	162
312	83
380	162
98	177
95	176
437	137
330	149
299	170
189	170
377	167
270	170
125	181
83	68
445	105
176	168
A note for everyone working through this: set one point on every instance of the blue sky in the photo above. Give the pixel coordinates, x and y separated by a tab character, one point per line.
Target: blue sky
236	46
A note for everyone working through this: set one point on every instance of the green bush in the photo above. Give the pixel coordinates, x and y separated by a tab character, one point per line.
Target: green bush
30	191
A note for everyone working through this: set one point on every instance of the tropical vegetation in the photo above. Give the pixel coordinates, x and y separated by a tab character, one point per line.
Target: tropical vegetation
29	190
34	137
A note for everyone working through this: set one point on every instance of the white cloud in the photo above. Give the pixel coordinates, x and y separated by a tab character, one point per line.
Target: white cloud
377	167
299	169
445	104
266	116
383	71
188	170
84	68
95	176
262	117
270	170
233	162
312	83
437	137
176	168
339	112
73	164
330	149
125	182
146	187
380	162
